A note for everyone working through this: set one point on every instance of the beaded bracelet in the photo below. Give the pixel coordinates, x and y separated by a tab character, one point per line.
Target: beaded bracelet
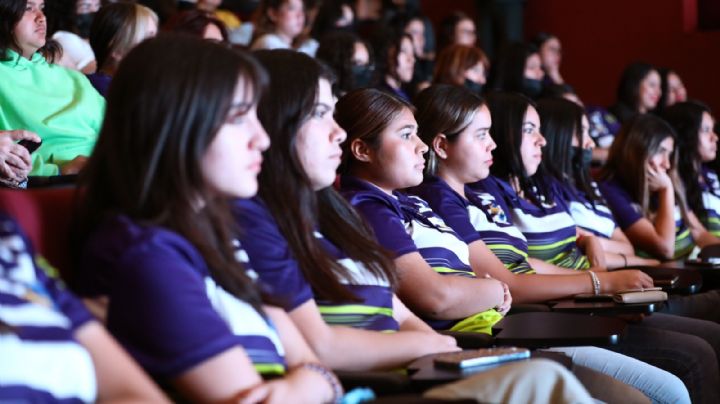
595	283
329	376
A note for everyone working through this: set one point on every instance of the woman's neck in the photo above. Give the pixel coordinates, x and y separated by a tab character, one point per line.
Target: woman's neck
368	177
392	82
452	181
26	53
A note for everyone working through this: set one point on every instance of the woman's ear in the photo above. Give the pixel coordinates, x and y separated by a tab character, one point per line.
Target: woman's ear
439	145
360	151
271	14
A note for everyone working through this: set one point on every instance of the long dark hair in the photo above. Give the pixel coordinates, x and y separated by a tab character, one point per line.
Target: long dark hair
60	15
386	44
364	114
446	109
636	142
508	73
560	121
294	88
194	22
337	50
664	87
164	109
508	112
447	28
115	29
11	12
686	119
628	90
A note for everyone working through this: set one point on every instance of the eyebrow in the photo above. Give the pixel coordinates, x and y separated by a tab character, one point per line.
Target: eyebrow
322	104
529	123
409	126
241	104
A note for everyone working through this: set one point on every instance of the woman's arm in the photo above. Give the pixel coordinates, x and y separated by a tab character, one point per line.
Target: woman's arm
700	235
119	378
222	378
546	268
618	243
592	248
658	237
352	349
536	288
443	297
407	320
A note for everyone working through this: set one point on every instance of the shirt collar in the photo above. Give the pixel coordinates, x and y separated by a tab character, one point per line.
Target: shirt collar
18	62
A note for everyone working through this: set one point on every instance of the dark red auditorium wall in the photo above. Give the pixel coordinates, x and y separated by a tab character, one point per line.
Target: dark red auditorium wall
600	37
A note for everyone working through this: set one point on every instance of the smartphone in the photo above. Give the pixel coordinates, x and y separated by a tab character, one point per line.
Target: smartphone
29	145
638	290
589	297
479	357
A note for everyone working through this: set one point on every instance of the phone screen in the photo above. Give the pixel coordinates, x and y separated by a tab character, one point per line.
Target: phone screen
29	145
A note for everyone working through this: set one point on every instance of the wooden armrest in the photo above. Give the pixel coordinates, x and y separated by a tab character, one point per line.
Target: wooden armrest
539	330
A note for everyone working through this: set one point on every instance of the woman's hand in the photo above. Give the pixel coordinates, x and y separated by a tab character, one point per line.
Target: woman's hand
611	282
593	249
300	385
658	179
504	307
15	161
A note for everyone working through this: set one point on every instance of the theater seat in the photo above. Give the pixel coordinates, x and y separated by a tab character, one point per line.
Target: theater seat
45	216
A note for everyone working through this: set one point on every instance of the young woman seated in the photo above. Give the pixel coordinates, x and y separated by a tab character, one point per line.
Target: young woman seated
351	59
159	235
566	159
462	65
395	62
518	69
697	148
280	25
117	28
198	23
517	181
51	347
58	104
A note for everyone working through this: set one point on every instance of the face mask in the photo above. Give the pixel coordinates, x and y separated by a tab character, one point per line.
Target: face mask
582	158
473	86
362	75
83	23
531	87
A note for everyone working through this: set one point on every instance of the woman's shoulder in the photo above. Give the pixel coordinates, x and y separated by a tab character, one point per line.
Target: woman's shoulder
362	193
121	246
269	41
436	192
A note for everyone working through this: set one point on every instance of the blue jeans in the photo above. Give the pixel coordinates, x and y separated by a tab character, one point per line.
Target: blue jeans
658	385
